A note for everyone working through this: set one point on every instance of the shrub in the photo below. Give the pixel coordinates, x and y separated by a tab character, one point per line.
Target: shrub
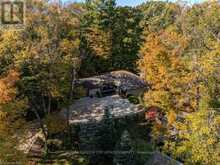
55	123
54	144
133	99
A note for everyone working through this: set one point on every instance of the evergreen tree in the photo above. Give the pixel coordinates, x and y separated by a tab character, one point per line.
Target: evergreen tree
106	132
124	151
110	38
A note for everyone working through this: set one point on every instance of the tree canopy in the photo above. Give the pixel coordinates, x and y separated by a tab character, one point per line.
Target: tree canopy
174	47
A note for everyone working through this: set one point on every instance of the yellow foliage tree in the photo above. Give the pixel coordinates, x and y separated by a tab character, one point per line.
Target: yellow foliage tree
7	90
10	121
162	67
198	139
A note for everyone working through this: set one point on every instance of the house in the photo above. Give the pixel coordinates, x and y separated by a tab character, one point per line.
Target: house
120	82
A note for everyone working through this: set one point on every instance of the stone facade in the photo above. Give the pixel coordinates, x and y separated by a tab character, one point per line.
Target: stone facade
98	139
89	132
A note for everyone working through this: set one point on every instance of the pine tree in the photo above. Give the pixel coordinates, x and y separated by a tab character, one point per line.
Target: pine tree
124	151
106	132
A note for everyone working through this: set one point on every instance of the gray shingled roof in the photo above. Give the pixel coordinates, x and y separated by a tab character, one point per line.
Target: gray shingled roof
161	159
121	78
92	109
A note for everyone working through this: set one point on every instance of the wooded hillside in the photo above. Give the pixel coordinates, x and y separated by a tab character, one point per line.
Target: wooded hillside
174	47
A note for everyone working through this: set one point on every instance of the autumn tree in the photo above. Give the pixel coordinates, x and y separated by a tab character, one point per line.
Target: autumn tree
198	140
199	24
158	15
175	46
181	63
46	54
162	67
11	121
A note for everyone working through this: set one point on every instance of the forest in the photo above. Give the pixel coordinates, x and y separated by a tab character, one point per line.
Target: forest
173	47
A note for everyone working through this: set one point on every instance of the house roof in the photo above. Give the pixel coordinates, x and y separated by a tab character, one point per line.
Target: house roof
120	78
93	109
158	158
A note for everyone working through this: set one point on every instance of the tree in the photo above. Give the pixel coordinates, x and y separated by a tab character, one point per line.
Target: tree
162	67
96	35
110	37
126	149
158	15
105	140
197	24
11	111
198	139
126	38
181	63
44	53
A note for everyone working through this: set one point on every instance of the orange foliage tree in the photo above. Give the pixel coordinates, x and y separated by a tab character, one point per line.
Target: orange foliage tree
10	123
162	67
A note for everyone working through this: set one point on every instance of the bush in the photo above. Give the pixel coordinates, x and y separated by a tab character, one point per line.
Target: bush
55	123
54	144
133	99
145	148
